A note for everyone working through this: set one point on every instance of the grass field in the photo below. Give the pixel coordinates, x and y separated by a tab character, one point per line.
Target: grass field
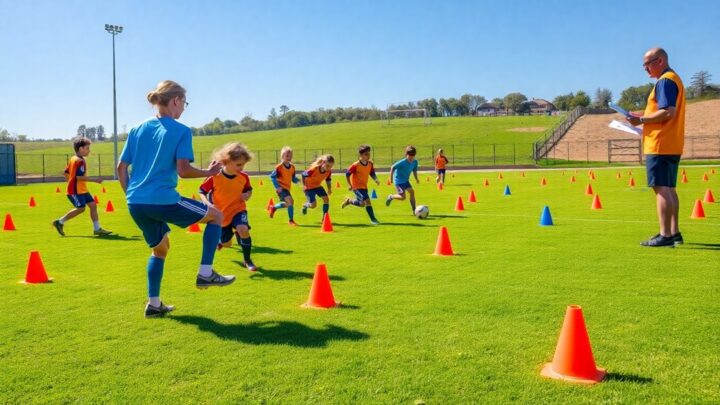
473	139
476	327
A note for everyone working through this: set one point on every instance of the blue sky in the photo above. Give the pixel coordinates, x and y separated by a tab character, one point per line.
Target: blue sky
239	57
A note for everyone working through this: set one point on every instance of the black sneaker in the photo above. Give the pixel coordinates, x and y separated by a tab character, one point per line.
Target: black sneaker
59	227
659	241
214	280
388	200
250	265
345	203
156	312
678	239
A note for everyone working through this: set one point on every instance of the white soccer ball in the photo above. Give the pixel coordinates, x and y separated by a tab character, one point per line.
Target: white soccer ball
422	211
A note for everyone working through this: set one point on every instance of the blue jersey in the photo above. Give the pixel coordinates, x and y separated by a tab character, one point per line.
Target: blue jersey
403	169
152	150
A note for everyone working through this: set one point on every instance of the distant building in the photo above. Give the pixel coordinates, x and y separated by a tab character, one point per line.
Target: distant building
540	106
489	109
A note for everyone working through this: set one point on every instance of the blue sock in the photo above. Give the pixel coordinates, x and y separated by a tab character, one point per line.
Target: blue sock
155	267
291	212
371	212
211	238
326	208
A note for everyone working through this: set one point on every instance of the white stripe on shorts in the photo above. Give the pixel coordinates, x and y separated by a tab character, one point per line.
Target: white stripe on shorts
192	207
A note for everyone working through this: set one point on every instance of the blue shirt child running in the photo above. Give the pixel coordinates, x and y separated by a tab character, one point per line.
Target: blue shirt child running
403	170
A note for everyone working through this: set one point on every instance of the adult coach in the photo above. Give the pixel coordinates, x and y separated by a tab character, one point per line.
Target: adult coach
663	138
159	150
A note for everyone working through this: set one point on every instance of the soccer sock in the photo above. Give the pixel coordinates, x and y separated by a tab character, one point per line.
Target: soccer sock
96	225
371	212
62	220
155	267
356	203
238	238
211	237
279	205
246	245
326	208
412	204
291	212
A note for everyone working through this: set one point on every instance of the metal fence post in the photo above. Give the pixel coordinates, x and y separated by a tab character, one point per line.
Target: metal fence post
43	166
587	151
340	157
473	154
568	150
453	155
514	154
494	162
391	156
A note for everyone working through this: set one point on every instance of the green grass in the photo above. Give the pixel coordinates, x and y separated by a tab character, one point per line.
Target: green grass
473	139
476	327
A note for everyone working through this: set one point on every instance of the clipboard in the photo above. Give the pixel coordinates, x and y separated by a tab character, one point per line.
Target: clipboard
620	110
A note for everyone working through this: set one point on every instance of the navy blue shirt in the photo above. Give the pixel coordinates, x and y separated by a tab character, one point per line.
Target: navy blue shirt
666	92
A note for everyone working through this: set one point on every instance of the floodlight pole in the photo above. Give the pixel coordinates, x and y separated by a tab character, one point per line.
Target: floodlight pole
114	30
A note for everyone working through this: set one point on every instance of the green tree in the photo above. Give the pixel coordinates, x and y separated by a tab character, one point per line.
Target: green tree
563	102
514	101
581	99
284	109
100	133
699	82
635	98
603	97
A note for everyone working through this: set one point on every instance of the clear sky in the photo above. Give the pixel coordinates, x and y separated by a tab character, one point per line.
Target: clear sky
239	57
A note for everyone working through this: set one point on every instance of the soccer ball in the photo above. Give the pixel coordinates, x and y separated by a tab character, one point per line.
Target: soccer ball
422	211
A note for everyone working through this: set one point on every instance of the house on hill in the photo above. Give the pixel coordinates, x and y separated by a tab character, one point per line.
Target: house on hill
488	109
540	106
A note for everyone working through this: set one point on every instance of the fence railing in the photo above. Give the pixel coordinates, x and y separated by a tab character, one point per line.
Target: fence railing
543	147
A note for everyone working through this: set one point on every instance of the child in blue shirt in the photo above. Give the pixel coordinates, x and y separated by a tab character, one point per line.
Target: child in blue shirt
400	173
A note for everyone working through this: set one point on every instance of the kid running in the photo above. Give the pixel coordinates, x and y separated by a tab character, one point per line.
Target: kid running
228	191
77	191
357	177
440	162
313	177
282	178
400	173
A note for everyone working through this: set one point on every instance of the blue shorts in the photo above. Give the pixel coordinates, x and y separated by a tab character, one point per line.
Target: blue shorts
80	200
153	219
241	218
313	192
361	194
402	187
662	170
440	171
285	193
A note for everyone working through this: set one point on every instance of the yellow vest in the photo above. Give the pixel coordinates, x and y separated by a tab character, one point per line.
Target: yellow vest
667	137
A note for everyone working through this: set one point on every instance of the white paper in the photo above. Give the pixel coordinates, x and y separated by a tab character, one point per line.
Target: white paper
625	127
619	109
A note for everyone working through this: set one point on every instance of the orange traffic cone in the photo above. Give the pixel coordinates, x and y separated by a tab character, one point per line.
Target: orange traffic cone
260	182
57	189
500	176
440	186
712	171
629	173
193	197
596	204
389	183
683	172
631	183
709	197
589	190
486	183
592	176
472	198
9	225
543	182
32	202
684	178
109	207
321	295
563	173
427	179
96	200
698	211
35	272
337	184
573	360
705	177
443	247
103	190
617	175
522	174
572	179
459	206
270	204
194	228
326	223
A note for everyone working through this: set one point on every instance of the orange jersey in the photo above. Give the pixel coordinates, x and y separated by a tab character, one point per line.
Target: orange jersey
224	192
440	162
668	137
313	177
75	168
284	175
359	174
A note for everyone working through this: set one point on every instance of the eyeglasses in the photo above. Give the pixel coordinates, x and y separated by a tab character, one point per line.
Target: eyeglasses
186	104
650	62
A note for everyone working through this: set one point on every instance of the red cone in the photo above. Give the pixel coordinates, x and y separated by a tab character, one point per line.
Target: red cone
194	228
596	204
443	246
35	270
270	204
705	177
459	206
326	223
32	202
260	182
472	198
440	186
57	189
543	182
572	179
486	183
9	224
321	295
709	197
96	200
589	190
103	190
631	183
109	207
684	179
698	211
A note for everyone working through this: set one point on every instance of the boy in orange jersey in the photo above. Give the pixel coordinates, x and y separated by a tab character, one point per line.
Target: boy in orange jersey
77	191
440	162
319	170
357	177
282	178
228	191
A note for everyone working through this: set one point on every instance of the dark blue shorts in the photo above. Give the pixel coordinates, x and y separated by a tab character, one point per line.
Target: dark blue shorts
153	219
361	194
402	187
80	200
662	170
241	218
315	192
440	171
282	195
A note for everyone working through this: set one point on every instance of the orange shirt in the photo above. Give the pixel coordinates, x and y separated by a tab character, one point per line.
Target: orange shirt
668	137
225	191
313	177
359	174
284	175
76	167
440	161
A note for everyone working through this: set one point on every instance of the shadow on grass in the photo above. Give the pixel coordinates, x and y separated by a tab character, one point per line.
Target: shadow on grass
631	378
262	273
270	250
703	246
272	332
432	216
108	237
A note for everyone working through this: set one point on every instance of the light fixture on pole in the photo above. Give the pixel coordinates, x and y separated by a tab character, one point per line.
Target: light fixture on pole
114	30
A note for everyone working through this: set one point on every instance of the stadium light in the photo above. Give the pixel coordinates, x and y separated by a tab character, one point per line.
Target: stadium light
114	30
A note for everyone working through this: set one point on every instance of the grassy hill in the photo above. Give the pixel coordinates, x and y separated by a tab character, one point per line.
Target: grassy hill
508	133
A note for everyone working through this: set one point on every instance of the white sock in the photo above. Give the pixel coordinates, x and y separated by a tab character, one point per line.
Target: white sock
96	225
154	301
205	270
62	220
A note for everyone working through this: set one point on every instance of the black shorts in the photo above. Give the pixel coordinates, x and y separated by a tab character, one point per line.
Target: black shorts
662	170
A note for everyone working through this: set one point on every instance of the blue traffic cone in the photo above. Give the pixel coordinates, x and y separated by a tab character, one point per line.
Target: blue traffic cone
373	195
507	190
546	218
